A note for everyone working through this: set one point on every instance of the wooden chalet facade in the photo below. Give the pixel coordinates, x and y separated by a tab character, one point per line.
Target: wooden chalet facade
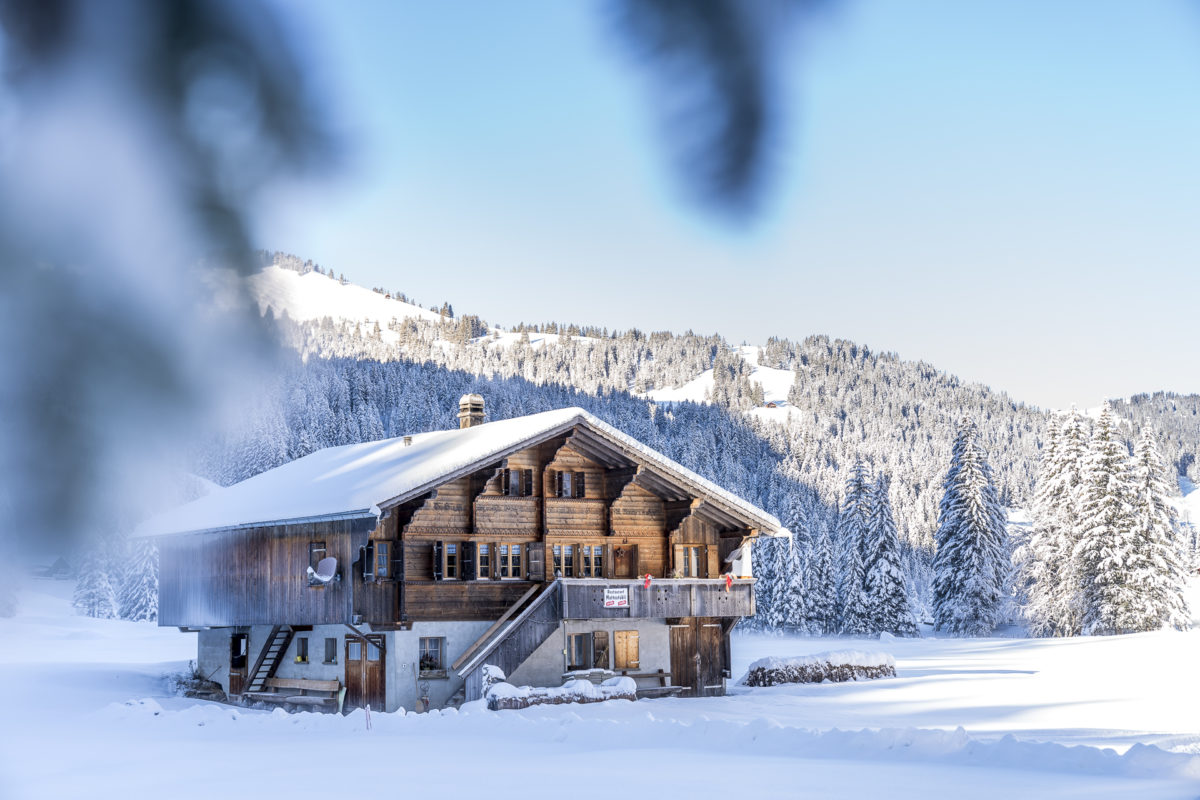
550	545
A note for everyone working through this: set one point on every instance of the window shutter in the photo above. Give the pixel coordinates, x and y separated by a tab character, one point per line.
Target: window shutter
558	484
577	484
714	562
633	559
535	561
578	560
632	652
505	478
397	560
368	563
608	561
466	561
438	560
527	483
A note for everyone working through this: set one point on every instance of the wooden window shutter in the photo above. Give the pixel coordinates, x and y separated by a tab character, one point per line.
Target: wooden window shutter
466	561
397	560
578	560
632	651
439	560
526	482
608	560
577	484
714	562
535	560
558	484
505	478
633	559
368	562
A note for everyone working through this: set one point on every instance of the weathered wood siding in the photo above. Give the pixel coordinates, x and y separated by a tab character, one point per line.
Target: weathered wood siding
256	576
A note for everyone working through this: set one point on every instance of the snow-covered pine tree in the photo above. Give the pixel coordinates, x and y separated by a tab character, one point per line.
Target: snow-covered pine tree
1160	576
852	531
971	562
1105	547
1051	584
885	585
792	612
138	598
821	588
94	595
855	616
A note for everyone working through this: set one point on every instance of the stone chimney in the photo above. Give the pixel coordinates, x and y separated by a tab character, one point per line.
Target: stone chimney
470	411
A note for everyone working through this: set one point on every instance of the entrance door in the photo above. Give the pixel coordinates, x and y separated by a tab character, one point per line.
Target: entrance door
696	656
365	672
239	651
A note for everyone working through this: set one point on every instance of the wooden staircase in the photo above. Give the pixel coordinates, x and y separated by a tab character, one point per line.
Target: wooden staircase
534	618
269	658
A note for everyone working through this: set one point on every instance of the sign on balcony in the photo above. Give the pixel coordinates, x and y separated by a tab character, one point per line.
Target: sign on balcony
616	598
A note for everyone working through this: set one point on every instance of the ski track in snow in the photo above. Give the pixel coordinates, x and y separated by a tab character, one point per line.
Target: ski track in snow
87	714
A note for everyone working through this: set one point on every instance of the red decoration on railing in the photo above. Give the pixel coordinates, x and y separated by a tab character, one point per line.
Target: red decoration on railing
647	586
728	581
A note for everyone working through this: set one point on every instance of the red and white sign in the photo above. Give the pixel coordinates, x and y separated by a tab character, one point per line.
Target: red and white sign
616	598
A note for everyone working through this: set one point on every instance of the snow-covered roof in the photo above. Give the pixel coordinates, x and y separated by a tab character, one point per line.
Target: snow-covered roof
355	480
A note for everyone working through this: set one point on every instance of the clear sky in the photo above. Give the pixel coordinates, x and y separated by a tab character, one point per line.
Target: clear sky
1008	190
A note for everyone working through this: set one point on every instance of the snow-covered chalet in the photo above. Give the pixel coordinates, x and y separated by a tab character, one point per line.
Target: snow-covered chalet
389	573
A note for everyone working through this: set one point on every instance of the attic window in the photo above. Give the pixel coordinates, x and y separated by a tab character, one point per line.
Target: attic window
518	482
568	484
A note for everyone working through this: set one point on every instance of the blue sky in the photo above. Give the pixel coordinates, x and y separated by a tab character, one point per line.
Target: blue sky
1007	190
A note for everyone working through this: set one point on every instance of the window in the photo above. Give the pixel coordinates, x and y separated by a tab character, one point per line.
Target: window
579	651
331	649
509	560
687	561
626	650
568	484
383	553
445	561
354	650
517	482
484	562
593	561
432	654
302	650
316	552
564	560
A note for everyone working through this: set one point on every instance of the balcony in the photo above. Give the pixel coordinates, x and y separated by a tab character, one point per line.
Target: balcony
666	597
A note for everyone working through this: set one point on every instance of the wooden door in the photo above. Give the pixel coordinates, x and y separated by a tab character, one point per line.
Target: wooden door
708	641
625	561
365	676
696	661
239	652
683	650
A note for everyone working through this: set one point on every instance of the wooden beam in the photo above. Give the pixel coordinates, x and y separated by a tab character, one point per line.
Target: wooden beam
470	651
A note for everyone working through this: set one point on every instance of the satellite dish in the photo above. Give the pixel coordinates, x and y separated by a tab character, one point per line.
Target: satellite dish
325	572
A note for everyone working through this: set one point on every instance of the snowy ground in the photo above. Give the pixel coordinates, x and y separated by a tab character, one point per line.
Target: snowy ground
86	714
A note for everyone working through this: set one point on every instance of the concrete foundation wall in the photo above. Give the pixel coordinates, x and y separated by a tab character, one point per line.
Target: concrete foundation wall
404	657
547	664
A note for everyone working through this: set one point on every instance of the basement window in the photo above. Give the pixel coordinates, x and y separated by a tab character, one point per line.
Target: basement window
302	650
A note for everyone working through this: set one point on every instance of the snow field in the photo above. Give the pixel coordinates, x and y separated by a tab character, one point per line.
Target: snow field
87	714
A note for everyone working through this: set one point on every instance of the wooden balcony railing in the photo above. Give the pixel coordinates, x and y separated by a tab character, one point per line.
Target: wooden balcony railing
665	597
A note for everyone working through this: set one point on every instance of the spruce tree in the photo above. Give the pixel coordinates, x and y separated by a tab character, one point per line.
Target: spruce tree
885	585
1160	577
971	562
94	595
138	599
855	617
1105	547
852	530
821	589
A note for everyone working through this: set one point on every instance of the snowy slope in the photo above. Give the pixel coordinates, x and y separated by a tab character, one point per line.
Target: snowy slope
88	715
776	384
313	296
